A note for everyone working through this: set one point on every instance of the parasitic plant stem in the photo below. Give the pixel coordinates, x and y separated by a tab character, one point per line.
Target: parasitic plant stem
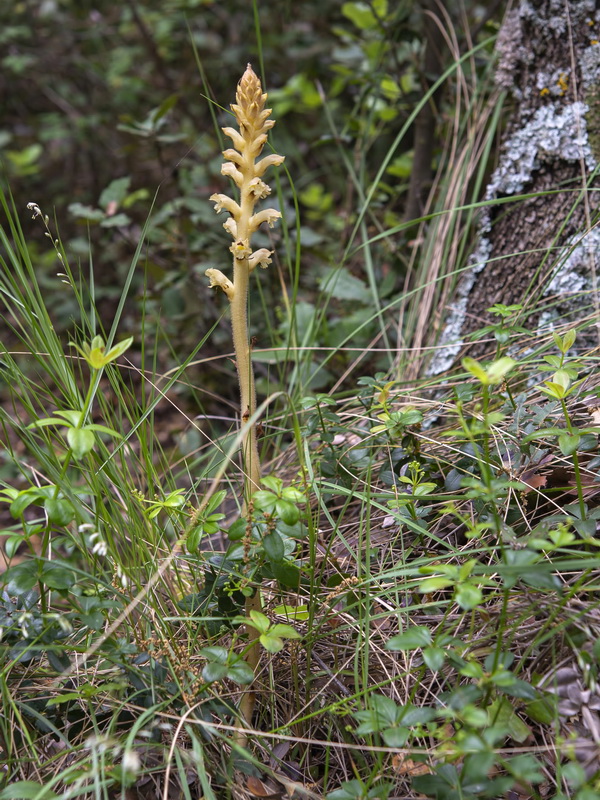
242	167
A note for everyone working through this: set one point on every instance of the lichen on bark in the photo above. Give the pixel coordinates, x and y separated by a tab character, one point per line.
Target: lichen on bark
550	144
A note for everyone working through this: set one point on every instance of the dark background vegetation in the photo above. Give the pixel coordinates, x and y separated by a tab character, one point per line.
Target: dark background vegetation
111	115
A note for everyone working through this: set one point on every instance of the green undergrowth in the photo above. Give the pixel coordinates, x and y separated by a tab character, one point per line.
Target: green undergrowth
428	556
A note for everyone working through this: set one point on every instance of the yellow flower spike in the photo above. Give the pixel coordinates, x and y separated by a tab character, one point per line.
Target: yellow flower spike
241	165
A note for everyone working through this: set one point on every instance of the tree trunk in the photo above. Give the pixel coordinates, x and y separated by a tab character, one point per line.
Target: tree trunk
540	252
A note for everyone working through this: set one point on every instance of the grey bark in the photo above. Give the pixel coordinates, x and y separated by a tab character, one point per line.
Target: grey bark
540	252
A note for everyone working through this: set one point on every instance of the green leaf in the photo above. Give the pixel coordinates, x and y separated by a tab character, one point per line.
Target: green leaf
237	530
569	339
213	671
273	547
434	584
293	495
86	212
552	389
285	631
55	576
240	672
81	441
114	192
60	511
287	512
341	284
27	790
503	714
411	639
118	349
286	573
103	429
499	369
259	621
214	502
218	654
568	443
273	483
468	596
72	416
475	368
271	643
164	107
543	710
360	14
395	737
434	657
264	501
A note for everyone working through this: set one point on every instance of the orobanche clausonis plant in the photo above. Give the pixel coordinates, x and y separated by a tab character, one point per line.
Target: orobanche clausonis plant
241	165
247	172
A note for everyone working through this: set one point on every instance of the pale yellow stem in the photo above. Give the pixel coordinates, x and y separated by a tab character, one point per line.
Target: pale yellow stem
243	357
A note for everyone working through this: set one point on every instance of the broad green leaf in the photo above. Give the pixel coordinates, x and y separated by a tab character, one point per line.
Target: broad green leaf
86	212
273	483
543	710
213	671
118	349
568	443
434	584
569	339
44	423
81	441
215	501
103	429
468	596
259	621
299	613
218	654
287	512
240	672
164	107
434	657
552	389
271	643
73	417
475	368
286	573
503	714
562	378
114	192
285	631
498	370
264	501
60	511
360	14
27	790
411	639
55	576
395	737
273	547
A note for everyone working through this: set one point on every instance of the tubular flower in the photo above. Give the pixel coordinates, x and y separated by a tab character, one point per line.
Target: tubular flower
246	172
